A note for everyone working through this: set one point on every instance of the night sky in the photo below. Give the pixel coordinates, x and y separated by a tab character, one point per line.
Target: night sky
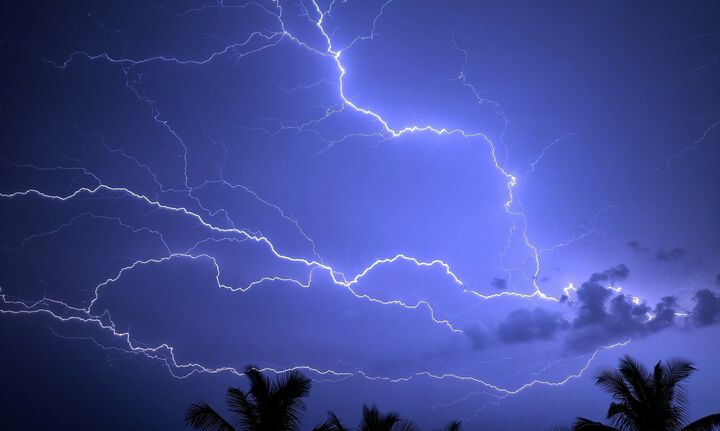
452	209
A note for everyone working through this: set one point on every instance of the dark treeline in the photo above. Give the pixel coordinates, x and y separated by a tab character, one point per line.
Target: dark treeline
643	400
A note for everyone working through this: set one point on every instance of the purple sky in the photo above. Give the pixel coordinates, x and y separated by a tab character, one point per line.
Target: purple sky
453	209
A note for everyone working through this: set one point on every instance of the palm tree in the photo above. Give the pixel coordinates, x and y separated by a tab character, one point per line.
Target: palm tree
268	405
645	401
452	426
331	424
372	420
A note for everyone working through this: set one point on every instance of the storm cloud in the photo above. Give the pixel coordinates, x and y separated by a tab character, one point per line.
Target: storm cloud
478	336
604	316
524	325
602	319
611	275
707	308
499	283
673	255
601	315
636	246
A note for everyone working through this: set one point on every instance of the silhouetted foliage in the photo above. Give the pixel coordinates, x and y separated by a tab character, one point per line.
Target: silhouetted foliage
268	405
453	426
374	420
332	423
647	401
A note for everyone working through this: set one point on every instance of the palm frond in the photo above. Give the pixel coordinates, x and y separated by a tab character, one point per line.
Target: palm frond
203	417
708	423
650	400
333	419
332	423
286	397
369	418
293	385
582	424
245	410
678	369
373	420
325	426
259	385
669	405
623	416
612	381
453	426
636	377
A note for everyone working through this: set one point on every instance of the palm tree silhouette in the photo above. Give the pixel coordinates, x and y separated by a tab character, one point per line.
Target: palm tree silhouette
452	426
268	405
331	424
647	401
374	420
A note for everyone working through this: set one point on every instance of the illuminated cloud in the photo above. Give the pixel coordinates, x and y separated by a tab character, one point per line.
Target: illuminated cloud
602	314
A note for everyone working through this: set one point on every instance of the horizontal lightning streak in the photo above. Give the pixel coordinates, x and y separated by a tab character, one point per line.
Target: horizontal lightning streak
164	352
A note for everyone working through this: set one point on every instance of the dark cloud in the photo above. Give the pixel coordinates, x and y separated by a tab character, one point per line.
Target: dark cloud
717	279
478	336
707	308
636	246
499	283
670	256
624	317
617	318
663	314
523	325
604	316
611	275
592	298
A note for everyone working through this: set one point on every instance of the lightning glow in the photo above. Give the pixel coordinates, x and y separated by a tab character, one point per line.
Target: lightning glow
255	43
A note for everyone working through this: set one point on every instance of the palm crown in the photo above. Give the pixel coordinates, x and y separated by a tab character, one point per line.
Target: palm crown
647	401
268	405
374	420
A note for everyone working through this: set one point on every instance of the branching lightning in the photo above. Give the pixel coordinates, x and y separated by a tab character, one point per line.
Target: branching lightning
256	42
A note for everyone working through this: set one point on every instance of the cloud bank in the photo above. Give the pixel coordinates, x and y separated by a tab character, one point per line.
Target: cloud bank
599	314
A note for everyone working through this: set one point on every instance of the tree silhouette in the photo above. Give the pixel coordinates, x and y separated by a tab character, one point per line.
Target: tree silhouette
452	426
647	401
268	405
374	420
331	424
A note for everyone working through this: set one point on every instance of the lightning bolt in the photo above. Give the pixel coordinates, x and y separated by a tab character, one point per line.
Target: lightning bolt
254	43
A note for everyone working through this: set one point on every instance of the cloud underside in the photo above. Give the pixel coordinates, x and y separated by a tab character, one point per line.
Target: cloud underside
601	316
